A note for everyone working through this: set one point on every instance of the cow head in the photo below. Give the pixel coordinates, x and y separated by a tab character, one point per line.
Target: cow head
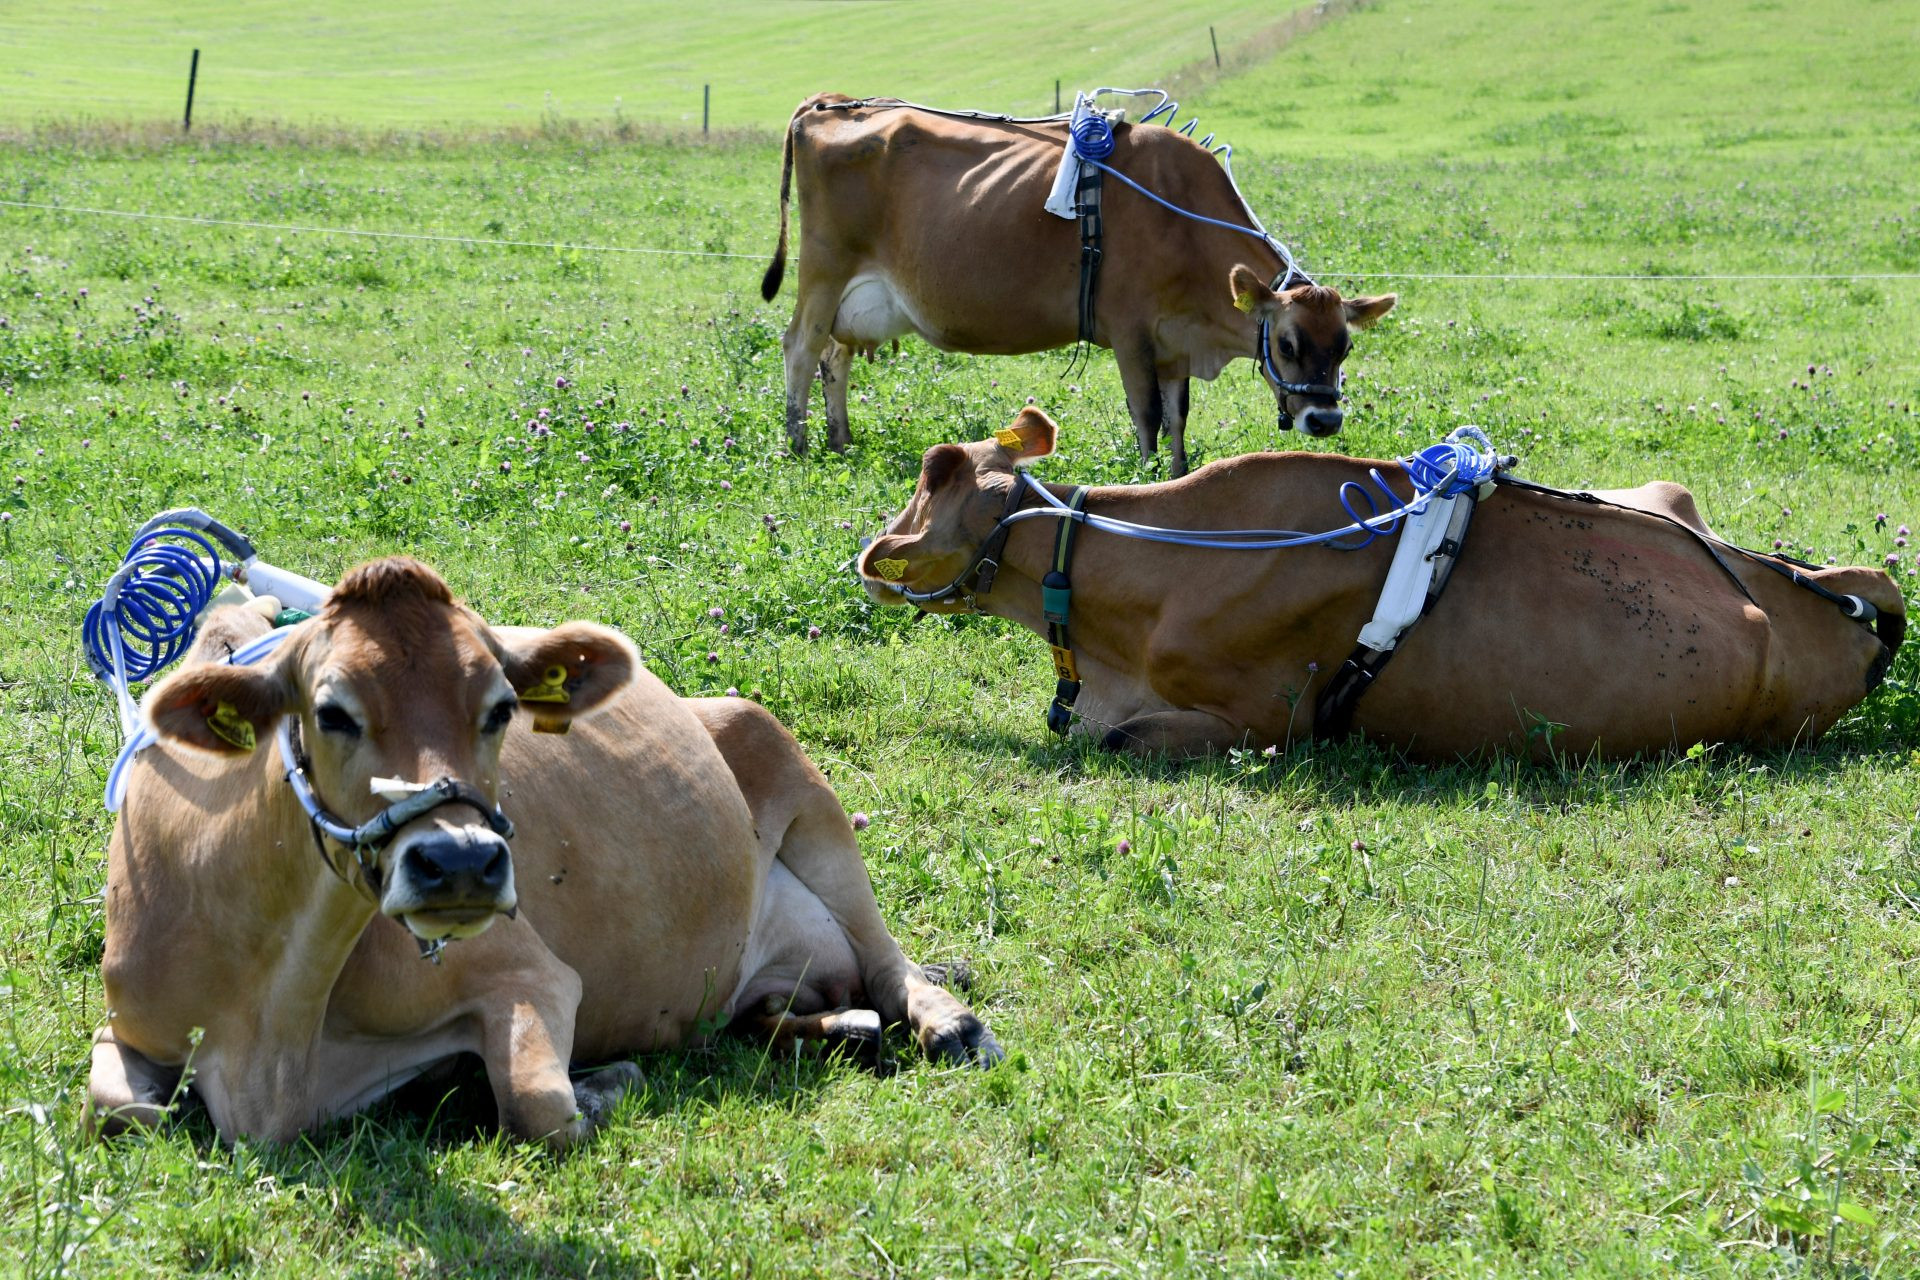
1308	329
395	685
961	496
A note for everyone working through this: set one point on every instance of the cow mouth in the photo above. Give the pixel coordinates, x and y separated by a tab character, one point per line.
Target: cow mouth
450	924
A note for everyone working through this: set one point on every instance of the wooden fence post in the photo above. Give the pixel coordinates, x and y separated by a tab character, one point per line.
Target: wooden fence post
193	74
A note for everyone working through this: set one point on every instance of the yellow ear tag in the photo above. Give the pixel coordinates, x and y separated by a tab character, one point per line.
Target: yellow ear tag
1245	302
891	570
227	724
1009	439
552	687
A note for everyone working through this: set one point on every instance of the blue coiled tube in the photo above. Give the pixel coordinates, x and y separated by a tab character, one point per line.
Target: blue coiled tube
162	587
1093	136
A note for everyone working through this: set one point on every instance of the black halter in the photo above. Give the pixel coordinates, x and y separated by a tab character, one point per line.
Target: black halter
1263	355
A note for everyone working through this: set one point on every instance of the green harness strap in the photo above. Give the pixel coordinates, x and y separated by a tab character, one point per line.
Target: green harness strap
1056	600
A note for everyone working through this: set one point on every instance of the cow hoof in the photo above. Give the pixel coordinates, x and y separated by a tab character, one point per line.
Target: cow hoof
854	1033
955	976
963	1042
599	1093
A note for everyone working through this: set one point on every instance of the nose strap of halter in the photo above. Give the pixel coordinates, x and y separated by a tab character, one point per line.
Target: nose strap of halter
1264	354
376	831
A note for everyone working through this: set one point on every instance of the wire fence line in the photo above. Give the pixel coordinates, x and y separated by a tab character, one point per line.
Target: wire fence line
485	242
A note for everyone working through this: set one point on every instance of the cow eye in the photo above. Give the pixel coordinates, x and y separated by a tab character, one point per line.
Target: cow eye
1287	350
501	715
334	718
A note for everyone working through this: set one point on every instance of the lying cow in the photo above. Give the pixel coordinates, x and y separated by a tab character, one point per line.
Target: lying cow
1613	624
679	864
914	222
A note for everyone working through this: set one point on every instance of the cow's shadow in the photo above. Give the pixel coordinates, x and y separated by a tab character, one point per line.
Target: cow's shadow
385	1169
1355	772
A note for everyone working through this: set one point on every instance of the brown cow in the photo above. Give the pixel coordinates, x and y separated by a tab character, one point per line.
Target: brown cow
917	222
1567	626
679	864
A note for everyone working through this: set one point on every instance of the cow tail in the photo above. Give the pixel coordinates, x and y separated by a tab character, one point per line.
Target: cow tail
777	270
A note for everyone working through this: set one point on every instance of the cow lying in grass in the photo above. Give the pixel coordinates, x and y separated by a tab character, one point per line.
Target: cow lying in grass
1567	626
680	864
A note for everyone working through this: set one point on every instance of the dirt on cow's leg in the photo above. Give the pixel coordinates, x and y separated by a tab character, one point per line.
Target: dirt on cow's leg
835	368
1173	733
801	348
1173	420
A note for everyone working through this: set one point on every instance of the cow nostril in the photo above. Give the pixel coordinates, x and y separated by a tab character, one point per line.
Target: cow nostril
1322	422
495	872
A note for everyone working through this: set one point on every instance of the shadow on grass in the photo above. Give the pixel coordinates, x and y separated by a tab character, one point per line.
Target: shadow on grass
386	1170
1341	774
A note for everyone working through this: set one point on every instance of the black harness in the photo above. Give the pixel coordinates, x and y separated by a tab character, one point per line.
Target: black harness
1088	207
1056	601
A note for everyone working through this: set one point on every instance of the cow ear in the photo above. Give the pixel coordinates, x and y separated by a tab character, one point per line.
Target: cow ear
569	672
1029	436
1362	312
218	708
1250	292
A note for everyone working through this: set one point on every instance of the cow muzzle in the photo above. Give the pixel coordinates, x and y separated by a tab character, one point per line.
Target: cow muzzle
1321	420
449	881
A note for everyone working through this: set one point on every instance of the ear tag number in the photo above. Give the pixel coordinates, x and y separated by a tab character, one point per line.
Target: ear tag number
1009	439
1245	302
227	724
552	687
891	570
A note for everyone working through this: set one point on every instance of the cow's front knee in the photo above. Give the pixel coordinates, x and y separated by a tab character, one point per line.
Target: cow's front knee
1173	733
127	1090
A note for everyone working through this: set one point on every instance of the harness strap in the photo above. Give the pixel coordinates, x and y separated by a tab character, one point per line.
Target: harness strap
1088	207
1333	710
1056	602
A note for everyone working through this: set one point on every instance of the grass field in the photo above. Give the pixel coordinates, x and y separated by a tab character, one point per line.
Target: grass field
493	63
1330	1014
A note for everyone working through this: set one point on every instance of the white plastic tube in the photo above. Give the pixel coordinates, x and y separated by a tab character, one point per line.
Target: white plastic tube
293	590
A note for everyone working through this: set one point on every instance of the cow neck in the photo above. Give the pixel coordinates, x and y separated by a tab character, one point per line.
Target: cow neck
304	918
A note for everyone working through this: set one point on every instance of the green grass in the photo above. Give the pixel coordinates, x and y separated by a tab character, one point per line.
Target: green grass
1330	1014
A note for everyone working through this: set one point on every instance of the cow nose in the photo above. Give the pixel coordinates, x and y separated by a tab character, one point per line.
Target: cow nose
458	865
1321	422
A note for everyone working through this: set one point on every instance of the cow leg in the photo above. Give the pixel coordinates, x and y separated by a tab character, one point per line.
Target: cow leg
803	345
855	1031
1173	419
802	823
1142	385
526	1037
835	367
127	1090
1174	733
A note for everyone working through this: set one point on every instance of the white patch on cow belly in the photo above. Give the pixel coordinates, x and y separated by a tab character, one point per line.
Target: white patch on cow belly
871	311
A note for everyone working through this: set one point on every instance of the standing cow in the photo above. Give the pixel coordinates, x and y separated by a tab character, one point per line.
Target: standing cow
913	221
